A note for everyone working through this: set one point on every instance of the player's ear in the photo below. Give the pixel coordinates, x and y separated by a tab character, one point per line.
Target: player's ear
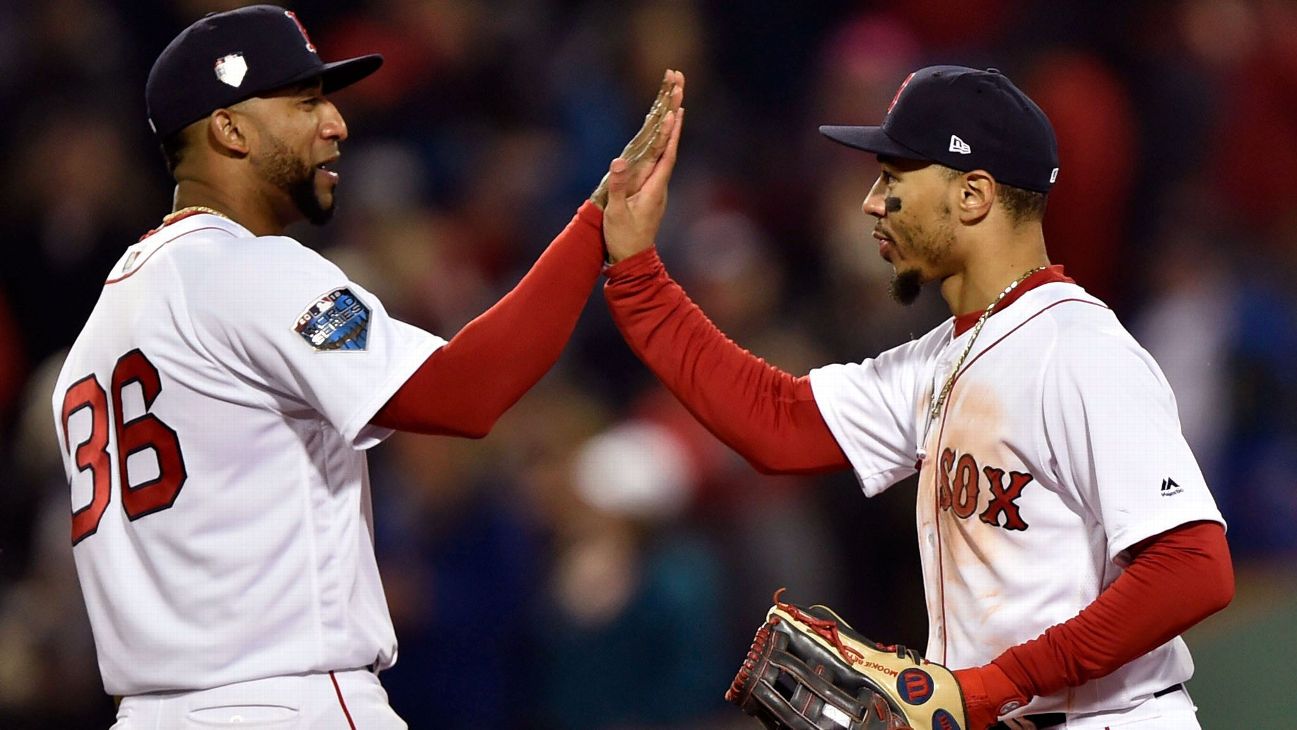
228	131
976	195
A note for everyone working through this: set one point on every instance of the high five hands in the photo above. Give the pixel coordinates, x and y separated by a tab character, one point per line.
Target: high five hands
634	192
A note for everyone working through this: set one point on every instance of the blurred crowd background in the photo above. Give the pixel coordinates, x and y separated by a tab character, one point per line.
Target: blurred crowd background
599	561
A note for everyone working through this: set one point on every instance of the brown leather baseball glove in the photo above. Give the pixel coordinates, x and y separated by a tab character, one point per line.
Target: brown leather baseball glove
809	670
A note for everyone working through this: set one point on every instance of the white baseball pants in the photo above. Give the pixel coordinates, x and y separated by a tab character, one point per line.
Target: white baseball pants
343	700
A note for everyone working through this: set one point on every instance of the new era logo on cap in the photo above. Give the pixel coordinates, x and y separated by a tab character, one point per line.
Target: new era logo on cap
959	145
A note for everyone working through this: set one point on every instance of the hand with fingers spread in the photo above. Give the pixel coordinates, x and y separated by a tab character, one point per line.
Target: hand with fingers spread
634	213
645	148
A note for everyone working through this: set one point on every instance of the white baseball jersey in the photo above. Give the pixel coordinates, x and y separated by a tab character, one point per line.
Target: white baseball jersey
213	416
1058	448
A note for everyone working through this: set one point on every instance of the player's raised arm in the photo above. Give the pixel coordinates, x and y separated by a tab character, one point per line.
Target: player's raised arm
465	386
765	414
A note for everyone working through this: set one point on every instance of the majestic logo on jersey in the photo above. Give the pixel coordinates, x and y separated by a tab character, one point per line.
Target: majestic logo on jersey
231	69
336	321
959	487
1170	488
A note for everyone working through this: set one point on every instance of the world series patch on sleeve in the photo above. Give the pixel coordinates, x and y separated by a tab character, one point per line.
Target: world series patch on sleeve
809	670
336	321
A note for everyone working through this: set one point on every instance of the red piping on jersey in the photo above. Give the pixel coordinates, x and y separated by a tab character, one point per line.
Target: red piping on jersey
343	703
936	526
159	248
968	320
936	492
1006	334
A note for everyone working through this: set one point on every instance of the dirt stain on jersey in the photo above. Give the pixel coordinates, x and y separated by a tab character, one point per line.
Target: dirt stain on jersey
974	425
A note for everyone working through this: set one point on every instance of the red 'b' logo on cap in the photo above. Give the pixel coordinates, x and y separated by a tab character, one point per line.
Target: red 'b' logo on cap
894	98
311	46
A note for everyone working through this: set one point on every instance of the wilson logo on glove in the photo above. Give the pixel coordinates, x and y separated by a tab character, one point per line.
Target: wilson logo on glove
914	686
942	720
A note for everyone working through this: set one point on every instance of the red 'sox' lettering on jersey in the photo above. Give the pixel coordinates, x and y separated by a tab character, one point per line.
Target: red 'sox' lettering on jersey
959	490
1003	499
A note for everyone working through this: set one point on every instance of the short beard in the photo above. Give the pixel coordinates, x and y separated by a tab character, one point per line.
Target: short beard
906	286
296	178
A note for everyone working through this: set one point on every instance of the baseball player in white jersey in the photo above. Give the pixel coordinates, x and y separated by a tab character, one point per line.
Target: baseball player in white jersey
1066	533
215	409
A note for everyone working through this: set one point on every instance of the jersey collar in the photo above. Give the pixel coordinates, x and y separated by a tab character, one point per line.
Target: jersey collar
190	222
966	321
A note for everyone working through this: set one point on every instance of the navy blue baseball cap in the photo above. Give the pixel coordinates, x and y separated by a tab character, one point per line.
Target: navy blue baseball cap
965	119
224	58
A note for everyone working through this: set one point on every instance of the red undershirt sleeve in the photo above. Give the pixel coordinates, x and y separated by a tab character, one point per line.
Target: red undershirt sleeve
765	414
1174	580
468	383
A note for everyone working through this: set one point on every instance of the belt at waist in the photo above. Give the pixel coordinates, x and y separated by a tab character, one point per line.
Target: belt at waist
1047	720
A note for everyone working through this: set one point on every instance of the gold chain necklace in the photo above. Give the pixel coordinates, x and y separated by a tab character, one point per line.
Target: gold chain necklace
187	211
940	399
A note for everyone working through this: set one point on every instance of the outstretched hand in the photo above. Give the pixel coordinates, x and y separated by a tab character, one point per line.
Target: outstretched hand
635	207
645	148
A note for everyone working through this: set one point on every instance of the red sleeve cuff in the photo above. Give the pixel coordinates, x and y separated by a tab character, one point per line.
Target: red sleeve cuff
642	263
988	693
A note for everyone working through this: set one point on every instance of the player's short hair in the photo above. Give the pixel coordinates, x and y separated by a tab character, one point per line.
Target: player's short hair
173	150
1019	203
1022	204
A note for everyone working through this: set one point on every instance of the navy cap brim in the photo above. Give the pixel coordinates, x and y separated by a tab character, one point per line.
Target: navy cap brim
341	74
870	139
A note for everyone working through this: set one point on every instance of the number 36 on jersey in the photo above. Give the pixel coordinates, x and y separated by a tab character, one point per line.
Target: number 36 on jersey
106	446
